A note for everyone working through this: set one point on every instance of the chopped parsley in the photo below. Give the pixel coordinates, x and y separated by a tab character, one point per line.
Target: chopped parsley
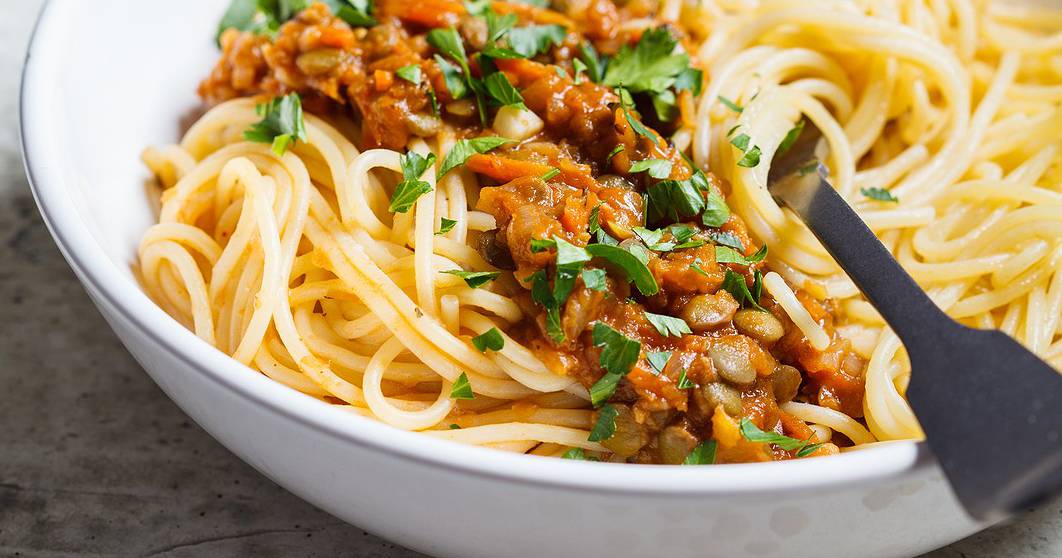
605	426
461	389
594	222
751	158
731	104
651	66
703	454
696	267
453	78
668	326
489	340
594	279
412	187
684	381
615	151
550	175
657	168
466	148
281	125
474	279
594	64
727	238
410	73
879	194
752	433
503	92
532	40
577	454
658	360
266	16
790	138
618	355
735	284
446	225
633	267
724	254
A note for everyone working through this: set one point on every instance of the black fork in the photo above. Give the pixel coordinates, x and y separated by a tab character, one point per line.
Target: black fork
991	410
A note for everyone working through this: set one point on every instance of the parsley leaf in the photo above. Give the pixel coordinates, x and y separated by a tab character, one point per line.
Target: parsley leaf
618	355
452	77
461	389
727	238
474	279
594	222
550	174
690	79
633	267
790	138
410	73
696	267
648	67
724	254
731	104
594	279
355	12
668	326
490	339
657	168
446	225
605	426
615	151
499	88
282	123
658	360
703	454
684	381
411	187
752	433
674	200
465	148
577	454
448	42
879	194
595	65
716	212
532	40
247	15
735	284
751	158
498	25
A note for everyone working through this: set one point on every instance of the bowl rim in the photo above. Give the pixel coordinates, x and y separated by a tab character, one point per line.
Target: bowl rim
116	292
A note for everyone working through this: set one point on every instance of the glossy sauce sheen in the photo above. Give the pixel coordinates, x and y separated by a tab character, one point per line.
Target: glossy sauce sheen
741	363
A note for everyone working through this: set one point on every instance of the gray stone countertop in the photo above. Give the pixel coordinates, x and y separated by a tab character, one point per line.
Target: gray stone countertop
95	460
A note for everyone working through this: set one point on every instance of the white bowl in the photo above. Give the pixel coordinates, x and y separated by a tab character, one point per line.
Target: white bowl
104	79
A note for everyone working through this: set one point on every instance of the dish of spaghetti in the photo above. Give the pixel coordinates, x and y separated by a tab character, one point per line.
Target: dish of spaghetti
543	226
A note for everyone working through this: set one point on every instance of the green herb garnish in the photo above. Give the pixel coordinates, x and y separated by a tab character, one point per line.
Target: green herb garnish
618	355
657	168
668	326
879	194
474	279
605	426
412	187
703	454
658	360
725	254
489	340
461	389
282	123
466	148
446	225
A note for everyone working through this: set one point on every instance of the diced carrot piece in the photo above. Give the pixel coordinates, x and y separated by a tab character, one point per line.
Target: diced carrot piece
382	79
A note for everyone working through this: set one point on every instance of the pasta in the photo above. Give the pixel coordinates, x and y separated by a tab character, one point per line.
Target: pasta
304	260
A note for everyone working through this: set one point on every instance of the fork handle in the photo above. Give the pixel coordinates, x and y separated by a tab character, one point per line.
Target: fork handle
904	305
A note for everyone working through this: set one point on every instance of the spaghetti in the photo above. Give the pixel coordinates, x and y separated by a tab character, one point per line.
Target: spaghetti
530	297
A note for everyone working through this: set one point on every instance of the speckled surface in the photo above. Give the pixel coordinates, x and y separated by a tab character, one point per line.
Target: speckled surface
94	460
